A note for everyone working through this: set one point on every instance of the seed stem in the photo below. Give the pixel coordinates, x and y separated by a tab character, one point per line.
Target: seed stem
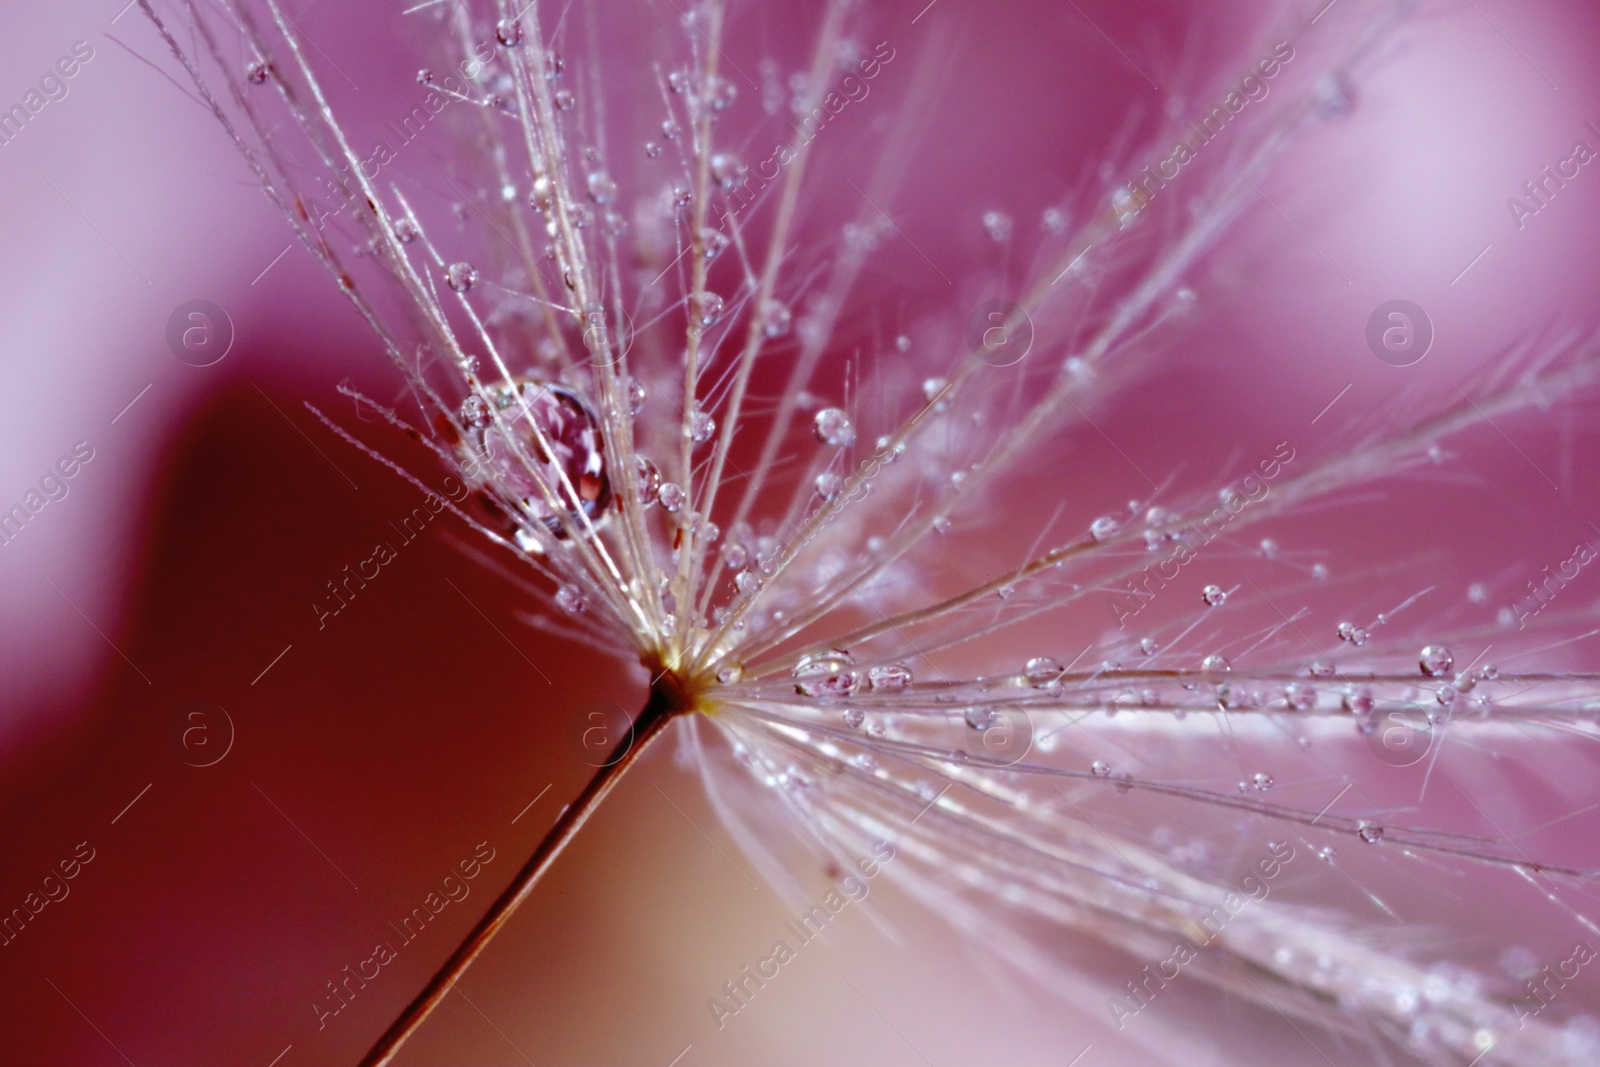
667	698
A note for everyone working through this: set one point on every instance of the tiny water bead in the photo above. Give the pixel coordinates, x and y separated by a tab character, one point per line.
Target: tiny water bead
258	72
564	99
776	318
854	718
1352	634
461	276
601	186
405	230
1215	664
1299	697
671	497
709	308
1436	660
569	599
530	410
833	427
998	225
648	481
508	32
829	485
729	674
1148	646
1369	832
1103	529
1100	769
979	719
1214	596
701	425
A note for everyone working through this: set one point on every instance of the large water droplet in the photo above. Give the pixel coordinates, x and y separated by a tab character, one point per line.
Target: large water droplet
826	674
570	430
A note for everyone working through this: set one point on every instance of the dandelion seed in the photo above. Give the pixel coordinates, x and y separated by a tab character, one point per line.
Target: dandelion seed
790	637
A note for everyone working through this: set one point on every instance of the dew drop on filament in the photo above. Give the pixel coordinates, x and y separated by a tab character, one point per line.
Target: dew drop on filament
570	430
461	276
1213	595
833	427
1436	660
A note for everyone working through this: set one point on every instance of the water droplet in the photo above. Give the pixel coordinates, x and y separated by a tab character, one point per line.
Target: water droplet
570	453
833	427
405	230
932	387
508	32
1351	633
647	480
747	582
854	717
1369	832
722	92
670	129
902	343
1042	672
979	719
826	674
461	276
1100	769
564	100
889	678
997	224
258	72
1148	646
671	497
1215	664
709	307
1054	220
1213	595
735	556
652	149
941	525
701	425
1262	781
1326	854
602	187
570	599
829	485
1103	529
1319	572
1269	548
1436	660
1336	95
1299	697
776	318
